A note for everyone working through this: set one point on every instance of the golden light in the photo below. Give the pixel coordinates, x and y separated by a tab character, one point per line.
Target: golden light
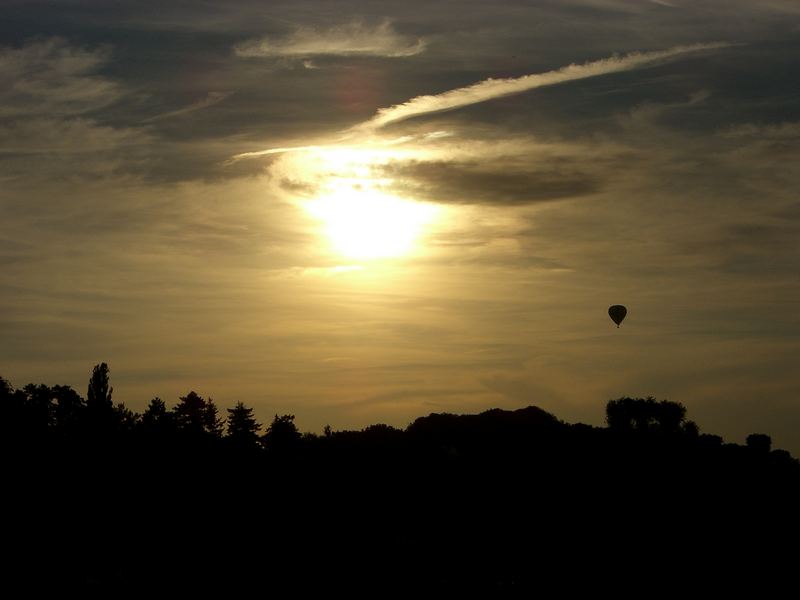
361	220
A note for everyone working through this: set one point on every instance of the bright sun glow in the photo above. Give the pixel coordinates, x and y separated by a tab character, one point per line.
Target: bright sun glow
360	219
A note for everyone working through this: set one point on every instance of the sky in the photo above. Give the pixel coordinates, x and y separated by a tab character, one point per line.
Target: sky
365	212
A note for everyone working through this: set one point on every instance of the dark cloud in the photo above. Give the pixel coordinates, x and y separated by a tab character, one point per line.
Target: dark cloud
495	182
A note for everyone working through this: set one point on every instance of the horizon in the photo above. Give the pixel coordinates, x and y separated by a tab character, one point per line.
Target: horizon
263	423
366	214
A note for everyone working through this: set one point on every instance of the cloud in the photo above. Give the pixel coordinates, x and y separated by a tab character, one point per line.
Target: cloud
269	151
494	181
354	38
489	89
69	136
51	77
780	131
50	127
46	148
210	100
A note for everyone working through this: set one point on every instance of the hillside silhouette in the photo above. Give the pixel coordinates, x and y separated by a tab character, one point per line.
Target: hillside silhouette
189	499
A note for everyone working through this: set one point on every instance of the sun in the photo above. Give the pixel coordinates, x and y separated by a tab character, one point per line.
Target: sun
360	219
367	224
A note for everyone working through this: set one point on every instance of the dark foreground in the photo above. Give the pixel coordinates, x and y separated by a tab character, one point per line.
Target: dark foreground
484	504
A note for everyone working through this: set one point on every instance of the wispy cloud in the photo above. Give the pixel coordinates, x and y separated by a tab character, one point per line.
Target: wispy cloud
489	89
52	91
347	136
268	151
779	131
52	77
355	38
211	99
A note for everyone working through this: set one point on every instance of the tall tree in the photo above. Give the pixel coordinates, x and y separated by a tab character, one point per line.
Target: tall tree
242	426
99	406
190	412
212	424
98	396
195	414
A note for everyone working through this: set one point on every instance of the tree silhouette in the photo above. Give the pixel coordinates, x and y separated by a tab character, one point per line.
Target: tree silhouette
125	419
69	409
242	426
282	434
759	442
98	396
156	418
190	412
39	407
646	414
196	415
6	389
15	421
99	407
211	421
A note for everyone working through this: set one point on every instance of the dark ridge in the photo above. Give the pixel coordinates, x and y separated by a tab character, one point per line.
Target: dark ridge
190	500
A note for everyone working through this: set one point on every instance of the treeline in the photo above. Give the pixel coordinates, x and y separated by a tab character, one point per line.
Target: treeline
191	499
41	412
41	416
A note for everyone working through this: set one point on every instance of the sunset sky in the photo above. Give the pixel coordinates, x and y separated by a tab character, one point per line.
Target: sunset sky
363	212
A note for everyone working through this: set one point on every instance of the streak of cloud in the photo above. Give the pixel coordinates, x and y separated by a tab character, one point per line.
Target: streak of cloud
355	38
269	151
210	100
489	89
433	135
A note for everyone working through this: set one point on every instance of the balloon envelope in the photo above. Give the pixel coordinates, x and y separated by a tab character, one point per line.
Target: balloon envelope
617	313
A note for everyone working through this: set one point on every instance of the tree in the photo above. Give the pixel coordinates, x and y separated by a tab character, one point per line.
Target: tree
99	407
212	424
12	410
691	429
646	414
156	418
125	418
196	415
98	396
190	412
242	426
759	442
282	434
69	408
39	413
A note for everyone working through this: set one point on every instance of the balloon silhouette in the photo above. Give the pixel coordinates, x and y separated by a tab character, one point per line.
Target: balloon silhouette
617	313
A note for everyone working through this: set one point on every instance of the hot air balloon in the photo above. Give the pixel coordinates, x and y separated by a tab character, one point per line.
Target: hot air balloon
617	313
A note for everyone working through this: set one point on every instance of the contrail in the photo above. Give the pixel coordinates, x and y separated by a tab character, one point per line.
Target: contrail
489	89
